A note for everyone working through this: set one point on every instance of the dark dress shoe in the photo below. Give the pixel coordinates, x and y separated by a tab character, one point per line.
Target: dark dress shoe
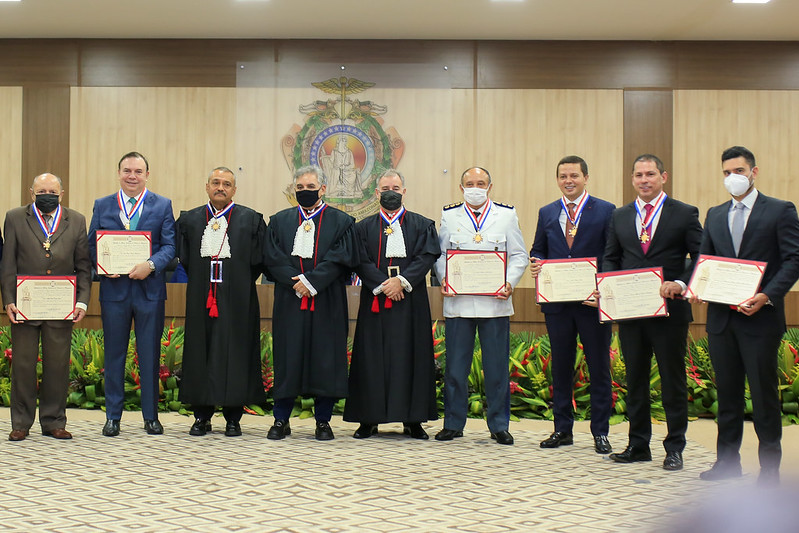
200	427
673	461
365	431
448	434
18	434
57	433
722	470
632	454
232	429
502	437
769	477
323	431
111	428
559	438
153	427
415	431
601	444
279	430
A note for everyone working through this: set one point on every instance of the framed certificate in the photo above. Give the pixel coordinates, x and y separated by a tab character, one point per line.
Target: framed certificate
725	280
46	297
626	294
119	251
476	272
565	280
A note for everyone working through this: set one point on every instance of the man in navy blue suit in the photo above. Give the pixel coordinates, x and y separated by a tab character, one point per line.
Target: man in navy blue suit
137	296
575	226
744	340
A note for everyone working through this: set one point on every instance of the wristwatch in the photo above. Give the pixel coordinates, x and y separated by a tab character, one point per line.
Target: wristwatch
152	265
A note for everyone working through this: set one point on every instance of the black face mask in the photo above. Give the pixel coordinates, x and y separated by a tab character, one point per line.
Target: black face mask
307	198
47	203
390	200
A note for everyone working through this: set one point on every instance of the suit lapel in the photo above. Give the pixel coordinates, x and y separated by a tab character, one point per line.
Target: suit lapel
586	217
33	224
62	226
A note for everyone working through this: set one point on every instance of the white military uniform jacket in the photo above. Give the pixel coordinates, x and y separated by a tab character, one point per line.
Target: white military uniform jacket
500	231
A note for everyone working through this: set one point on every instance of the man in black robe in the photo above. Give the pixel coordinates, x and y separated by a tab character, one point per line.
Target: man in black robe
309	255
221	248
392	373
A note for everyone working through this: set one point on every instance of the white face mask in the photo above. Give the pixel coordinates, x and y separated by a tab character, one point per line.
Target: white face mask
737	184
475	195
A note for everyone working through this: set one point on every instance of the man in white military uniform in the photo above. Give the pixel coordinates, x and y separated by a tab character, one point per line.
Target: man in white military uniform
479	224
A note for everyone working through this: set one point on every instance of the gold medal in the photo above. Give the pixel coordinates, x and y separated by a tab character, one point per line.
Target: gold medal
644	237
127	225
46	245
573	231
215	226
388	230
307	227
478	238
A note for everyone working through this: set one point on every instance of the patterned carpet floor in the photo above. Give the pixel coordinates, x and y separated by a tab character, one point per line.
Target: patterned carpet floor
175	482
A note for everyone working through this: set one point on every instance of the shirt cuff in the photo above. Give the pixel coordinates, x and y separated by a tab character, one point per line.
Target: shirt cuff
81	305
405	283
682	284
307	283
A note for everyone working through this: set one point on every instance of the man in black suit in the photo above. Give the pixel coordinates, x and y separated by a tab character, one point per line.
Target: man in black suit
557	237
744	340
655	231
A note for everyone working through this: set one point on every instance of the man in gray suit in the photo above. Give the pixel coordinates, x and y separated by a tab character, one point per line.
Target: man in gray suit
43	239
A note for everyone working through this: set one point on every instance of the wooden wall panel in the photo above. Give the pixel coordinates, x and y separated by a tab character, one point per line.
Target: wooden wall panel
45	136
707	122
647	129
11	147
183	132
39	62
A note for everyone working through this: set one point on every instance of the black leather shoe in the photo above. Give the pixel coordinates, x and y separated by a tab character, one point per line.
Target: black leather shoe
365	431
632	454
279	430
232	429
153	427
448	434
415	431
111	428
200	427
673	461
323	431
559	438
769	477
721	470
601	444
502	437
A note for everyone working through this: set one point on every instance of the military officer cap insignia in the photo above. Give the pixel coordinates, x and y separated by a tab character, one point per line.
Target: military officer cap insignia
452	206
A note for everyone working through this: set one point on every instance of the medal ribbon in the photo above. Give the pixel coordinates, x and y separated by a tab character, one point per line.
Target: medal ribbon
313	214
42	224
137	206
216	214
319	211
387	220
578	210
646	223
478	223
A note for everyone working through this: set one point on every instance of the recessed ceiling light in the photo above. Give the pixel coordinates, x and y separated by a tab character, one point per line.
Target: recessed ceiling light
10	0
751	1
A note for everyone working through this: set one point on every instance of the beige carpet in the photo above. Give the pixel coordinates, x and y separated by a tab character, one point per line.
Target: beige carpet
175	482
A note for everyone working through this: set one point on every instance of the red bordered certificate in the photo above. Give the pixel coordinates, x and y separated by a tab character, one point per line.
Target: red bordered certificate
627	294
119	251
725	280
476	272
46	297
565	280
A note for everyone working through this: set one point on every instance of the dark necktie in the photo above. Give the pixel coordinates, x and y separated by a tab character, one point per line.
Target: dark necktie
645	241
476	214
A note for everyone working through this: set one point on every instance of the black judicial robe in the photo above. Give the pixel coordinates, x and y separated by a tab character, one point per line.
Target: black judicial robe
222	355
310	346
392	373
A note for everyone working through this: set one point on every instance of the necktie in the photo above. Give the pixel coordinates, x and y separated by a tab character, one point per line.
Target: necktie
48	219
134	220
476	214
569	225
738	219
645	242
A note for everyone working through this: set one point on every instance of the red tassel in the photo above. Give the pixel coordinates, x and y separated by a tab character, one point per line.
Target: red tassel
304	304
210	300
214	311
388	303
313	302
375	305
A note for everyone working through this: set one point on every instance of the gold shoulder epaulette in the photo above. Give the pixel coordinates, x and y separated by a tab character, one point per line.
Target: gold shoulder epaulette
452	206
506	206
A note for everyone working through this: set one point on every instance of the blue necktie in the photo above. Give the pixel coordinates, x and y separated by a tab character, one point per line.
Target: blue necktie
134	220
